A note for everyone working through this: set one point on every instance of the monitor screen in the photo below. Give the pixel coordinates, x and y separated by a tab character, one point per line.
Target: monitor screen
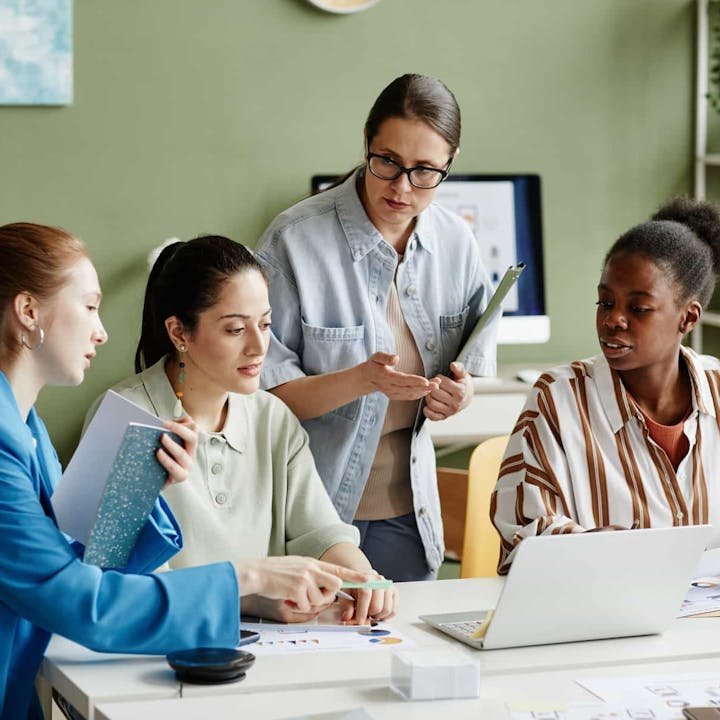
504	212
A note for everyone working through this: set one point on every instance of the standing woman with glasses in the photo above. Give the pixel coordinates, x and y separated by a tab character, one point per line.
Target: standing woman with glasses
374	289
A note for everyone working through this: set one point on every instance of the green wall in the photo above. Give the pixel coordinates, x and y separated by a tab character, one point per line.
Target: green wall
198	116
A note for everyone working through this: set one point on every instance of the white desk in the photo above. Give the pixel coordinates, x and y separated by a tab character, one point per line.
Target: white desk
87	678
542	689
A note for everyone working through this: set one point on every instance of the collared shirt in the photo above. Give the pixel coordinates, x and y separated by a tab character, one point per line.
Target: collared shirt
581	457
330	274
46	588
253	490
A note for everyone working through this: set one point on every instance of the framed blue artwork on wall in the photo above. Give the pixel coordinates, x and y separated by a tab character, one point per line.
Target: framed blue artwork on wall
36	62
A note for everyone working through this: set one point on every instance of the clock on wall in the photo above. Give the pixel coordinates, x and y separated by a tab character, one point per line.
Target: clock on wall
343	6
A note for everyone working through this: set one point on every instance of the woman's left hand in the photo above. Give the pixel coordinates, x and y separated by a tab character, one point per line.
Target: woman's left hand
370	604
451	396
278	610
175	458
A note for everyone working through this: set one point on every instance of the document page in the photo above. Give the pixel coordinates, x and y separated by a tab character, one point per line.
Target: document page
77	496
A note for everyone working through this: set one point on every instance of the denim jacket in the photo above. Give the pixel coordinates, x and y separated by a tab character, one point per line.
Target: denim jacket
330	273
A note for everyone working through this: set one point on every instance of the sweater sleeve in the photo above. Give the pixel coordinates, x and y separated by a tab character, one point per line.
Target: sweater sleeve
312	523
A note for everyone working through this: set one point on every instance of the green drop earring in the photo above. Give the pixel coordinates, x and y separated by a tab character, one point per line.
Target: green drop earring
178	409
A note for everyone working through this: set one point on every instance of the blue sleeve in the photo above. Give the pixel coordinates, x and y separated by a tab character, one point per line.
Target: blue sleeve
158	541
43	581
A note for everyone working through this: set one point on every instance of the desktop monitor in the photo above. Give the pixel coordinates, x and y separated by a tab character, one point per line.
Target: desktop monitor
505	214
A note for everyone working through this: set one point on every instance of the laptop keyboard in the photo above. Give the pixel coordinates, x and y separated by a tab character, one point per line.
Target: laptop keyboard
467	628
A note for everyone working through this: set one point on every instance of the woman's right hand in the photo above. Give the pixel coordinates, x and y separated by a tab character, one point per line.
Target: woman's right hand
178	459
378	374
303	583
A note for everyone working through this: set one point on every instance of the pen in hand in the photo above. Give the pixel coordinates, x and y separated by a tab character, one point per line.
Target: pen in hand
370	585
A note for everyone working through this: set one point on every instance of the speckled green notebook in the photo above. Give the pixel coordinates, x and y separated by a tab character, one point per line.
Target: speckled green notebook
134	482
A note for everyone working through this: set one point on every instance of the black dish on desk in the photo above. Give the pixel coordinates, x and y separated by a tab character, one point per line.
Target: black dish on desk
210	665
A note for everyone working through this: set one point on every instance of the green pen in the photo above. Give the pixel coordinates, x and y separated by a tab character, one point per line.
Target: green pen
370	585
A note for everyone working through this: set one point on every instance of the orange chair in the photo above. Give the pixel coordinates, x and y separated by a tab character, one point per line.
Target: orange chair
481	542
452	487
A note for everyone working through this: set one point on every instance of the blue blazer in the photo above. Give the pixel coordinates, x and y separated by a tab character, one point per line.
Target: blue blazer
45	587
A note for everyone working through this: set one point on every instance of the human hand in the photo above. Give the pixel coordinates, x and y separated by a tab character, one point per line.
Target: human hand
278	610
175	458
379	375
370	604
608	528
452	394
302	583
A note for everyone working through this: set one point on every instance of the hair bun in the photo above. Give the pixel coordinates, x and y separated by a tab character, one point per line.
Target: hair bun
700	216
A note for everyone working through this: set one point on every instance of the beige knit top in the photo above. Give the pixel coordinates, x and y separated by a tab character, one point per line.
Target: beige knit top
388	492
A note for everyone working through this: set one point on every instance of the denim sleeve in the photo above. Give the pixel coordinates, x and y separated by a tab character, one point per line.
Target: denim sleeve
282	362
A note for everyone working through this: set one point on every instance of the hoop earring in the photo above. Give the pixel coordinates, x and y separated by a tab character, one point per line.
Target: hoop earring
178	409
26	344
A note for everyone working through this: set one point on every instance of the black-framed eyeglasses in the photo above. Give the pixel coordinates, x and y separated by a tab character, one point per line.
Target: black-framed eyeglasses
422	177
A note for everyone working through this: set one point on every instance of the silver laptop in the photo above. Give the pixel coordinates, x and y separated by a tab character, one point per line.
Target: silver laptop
586	586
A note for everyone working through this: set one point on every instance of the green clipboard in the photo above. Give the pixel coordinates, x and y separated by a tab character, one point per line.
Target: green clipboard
493	308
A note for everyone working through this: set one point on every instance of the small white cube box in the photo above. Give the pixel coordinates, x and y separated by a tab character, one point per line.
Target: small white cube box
434	674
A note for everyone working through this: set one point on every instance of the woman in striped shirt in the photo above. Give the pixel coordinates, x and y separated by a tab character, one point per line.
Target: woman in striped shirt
631	437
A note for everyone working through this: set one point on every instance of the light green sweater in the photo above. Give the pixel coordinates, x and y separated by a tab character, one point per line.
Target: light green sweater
254	490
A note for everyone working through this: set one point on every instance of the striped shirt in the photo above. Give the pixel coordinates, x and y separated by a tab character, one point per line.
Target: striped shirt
580	456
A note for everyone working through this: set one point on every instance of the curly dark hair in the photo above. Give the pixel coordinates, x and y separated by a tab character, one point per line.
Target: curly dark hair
683	239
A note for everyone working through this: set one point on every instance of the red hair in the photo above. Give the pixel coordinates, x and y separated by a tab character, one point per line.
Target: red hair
34	259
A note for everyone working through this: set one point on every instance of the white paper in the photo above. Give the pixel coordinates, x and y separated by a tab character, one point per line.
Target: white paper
632	697
604	711
704	592
77	496
289	641
667	694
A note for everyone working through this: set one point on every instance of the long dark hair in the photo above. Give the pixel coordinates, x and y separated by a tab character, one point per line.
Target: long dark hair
186	280
683	239
417	97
